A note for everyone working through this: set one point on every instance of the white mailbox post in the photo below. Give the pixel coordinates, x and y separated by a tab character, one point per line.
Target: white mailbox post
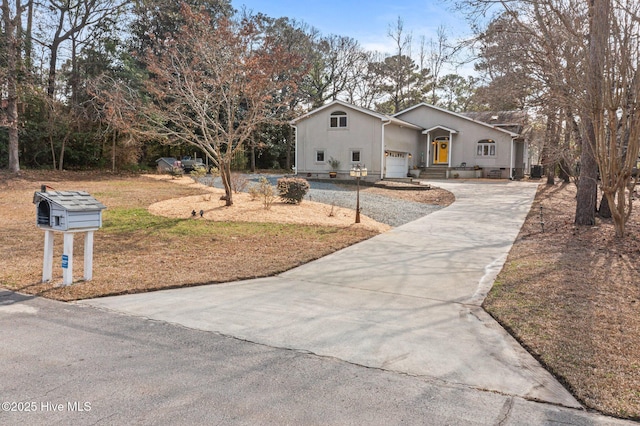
69	212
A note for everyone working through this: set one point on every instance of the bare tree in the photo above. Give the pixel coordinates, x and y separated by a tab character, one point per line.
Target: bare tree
212	86
70	19
12	29
331	69
613	93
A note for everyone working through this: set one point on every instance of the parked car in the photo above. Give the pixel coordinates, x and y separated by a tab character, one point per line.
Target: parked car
189	164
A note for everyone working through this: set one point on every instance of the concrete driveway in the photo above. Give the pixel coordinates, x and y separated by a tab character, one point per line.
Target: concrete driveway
405	301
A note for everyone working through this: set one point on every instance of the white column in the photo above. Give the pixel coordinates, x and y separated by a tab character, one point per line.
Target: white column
450	149
511	161
67	273
88	255
47	264
428	148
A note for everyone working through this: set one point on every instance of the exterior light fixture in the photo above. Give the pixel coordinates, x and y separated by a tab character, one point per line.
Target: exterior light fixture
357	172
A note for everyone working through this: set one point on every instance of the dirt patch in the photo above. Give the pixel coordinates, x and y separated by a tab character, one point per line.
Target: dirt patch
245	209
571	295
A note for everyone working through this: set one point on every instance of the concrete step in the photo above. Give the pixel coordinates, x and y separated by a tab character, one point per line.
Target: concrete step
433	173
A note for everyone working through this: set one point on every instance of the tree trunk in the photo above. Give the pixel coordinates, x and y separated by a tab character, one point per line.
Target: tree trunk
604	211
51	82
28	41
225	175
586	197
53	151
563	171
12	46
113	151
62	148
253	156
588	185
290	136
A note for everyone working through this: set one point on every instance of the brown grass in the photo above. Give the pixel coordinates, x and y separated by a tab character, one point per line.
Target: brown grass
571	295
227	244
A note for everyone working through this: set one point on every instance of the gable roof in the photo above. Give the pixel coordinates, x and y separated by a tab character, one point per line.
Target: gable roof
383	117
430	129
513	121
463	117
70	200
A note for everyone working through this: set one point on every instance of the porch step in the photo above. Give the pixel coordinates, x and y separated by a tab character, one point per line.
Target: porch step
433	173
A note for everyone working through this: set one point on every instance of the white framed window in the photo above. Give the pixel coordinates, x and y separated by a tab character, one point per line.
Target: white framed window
338	120
486	148
356	156
320	158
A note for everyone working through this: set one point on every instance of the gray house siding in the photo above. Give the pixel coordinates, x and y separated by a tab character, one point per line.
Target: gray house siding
401	142
363	134
464	143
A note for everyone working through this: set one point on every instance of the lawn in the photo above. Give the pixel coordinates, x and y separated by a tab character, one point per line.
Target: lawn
136	251
571	296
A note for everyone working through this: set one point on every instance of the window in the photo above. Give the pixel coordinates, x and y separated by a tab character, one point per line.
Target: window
486	148
338	119
355	156
320	156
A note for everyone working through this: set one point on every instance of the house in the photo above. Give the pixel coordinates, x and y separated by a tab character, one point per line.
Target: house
165	164
440	143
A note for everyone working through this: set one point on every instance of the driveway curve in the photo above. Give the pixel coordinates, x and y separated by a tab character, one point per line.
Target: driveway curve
406	301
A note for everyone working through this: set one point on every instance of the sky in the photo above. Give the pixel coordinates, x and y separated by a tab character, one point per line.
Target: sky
367	21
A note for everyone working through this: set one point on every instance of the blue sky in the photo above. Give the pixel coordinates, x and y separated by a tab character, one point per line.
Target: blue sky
366	21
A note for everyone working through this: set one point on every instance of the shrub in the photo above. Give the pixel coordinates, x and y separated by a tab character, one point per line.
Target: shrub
176	172
238	182
254	192
263	189
198	173
292	190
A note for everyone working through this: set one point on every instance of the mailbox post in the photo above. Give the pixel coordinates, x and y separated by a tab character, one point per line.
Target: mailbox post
69	212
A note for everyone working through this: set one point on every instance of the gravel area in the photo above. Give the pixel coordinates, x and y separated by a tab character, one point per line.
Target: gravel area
391	211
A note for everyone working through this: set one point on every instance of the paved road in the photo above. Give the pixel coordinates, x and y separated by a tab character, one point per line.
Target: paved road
58	358
320	344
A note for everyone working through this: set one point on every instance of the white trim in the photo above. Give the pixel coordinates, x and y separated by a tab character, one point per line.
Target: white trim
382	117
451	131
511	161
382	146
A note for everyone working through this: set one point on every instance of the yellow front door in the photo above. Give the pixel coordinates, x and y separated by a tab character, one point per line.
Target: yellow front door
441	152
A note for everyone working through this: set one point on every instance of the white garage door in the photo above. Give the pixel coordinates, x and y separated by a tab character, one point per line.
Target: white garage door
396	165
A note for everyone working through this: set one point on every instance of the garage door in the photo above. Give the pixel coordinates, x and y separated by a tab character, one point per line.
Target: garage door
396	165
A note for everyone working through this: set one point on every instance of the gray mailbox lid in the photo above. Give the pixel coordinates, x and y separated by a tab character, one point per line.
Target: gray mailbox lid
76	204
74	201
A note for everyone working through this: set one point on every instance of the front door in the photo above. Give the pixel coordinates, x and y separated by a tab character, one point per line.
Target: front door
441	151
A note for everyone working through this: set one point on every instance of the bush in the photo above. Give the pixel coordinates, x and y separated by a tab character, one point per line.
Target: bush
292	190
238	182
198	173
263	189
176	172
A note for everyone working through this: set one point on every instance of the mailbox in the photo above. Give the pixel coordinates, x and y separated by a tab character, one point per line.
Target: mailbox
68	212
